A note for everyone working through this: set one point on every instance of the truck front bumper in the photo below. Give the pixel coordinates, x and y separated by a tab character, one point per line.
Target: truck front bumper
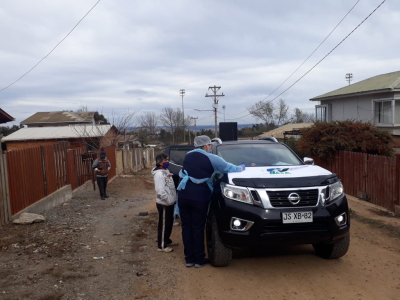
269	229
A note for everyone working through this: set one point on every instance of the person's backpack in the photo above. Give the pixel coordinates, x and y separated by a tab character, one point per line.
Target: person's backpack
103	167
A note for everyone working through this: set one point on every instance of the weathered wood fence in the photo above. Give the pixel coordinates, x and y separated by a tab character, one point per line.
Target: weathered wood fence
29	175
34	173
373	177
136	159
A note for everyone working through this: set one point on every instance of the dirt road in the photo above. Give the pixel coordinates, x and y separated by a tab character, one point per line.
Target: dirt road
94	249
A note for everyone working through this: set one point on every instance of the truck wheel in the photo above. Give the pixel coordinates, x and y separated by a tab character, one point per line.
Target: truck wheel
219	255
334	250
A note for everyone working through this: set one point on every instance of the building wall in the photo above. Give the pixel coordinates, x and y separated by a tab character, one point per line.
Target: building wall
109	139
72	143
359	108
28	144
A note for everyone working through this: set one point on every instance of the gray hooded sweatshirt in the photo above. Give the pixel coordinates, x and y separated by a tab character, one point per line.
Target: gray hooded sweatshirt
164	186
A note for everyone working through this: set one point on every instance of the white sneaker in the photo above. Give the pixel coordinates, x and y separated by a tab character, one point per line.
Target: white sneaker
167	250
176	223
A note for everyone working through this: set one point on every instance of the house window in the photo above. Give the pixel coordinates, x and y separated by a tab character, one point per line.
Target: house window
321	113
383	112
397	112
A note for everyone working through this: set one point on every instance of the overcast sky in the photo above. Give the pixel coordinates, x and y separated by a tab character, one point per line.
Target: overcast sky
137	55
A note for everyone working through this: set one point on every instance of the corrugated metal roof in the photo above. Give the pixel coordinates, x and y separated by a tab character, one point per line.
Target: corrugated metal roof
388	81
278	132
59	116
60	132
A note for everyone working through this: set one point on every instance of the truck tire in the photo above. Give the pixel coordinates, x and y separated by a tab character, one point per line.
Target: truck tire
334	250
219	255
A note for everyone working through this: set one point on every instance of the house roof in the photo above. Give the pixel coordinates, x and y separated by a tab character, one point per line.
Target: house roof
59	132
60	117
278	132
5	117
384	82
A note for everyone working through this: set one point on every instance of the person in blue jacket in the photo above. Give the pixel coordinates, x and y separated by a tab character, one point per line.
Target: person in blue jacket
194	193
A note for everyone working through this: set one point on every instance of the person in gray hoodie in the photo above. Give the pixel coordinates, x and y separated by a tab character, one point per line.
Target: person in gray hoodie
166	198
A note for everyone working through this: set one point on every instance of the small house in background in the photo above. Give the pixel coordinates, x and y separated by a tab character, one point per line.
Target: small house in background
62	118
5	117
91	136
376	100
279	133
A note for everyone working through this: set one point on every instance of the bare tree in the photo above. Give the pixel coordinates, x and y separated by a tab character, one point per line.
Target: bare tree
82	108
168	119
148	121
263	110
282	112
299	116
309	117
96	136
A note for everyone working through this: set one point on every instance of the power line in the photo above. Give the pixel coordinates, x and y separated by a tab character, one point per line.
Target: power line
313	51
330	51
51	49
325	55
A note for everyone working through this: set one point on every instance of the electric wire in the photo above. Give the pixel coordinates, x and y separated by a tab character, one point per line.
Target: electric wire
51	50
328	52
313	51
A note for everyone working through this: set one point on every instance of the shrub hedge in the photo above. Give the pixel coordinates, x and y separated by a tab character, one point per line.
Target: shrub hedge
323	139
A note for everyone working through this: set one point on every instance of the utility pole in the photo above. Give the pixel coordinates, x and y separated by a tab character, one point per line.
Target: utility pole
223	107
215	105
349	77
182	93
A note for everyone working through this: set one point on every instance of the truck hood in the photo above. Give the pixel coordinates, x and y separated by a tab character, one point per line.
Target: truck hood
282	176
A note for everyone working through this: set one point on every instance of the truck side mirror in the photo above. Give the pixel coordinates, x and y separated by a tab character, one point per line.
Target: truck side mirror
308	161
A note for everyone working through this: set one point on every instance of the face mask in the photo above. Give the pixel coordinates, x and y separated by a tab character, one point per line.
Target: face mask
102	157
165	165
209	151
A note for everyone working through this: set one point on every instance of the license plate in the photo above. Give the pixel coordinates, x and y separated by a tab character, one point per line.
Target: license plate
297	217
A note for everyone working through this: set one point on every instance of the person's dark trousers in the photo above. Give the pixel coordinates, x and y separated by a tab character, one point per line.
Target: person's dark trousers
193	216
165	221
102	183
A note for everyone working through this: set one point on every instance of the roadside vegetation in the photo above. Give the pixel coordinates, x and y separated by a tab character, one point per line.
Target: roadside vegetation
323	139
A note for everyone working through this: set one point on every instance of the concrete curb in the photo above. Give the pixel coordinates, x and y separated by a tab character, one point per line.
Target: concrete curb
87	186
58	197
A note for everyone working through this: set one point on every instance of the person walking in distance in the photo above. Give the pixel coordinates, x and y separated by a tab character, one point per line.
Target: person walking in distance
194	193
165	200
101	167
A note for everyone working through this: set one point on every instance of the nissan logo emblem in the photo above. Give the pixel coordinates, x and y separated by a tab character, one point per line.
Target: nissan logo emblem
294	198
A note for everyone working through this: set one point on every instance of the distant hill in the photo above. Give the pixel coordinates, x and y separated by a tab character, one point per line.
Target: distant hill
198	127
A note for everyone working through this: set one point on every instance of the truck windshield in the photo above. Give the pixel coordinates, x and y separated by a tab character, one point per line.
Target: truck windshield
258	155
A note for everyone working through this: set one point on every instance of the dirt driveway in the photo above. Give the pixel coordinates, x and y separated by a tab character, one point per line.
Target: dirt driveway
94	249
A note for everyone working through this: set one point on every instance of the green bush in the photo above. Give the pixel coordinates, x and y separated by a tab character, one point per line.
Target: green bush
323	139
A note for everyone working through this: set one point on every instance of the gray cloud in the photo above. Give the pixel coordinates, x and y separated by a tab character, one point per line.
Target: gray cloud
139	54
140	92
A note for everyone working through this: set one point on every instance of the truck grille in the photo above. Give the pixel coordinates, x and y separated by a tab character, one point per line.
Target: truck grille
280	198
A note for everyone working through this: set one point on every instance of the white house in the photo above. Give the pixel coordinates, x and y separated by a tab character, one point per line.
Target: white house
375	100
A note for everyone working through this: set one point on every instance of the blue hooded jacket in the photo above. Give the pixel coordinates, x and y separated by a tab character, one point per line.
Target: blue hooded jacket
198	170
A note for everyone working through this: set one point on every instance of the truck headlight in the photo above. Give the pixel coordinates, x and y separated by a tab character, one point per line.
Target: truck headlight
335	190
236	193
